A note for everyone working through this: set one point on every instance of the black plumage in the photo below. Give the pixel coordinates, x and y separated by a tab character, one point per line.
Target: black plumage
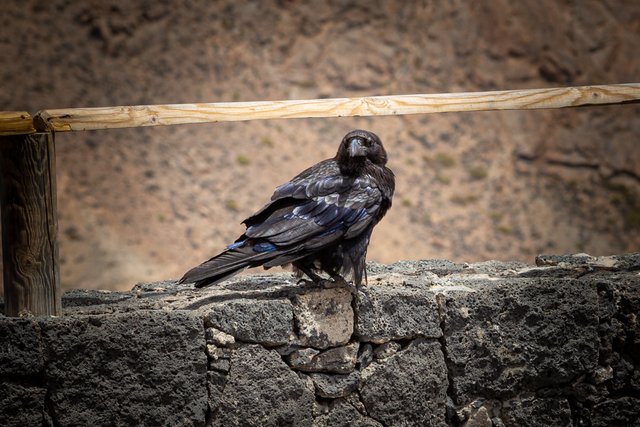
321	220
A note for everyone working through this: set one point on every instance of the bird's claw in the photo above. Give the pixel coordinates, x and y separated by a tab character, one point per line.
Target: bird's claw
341	283
335	283
308	283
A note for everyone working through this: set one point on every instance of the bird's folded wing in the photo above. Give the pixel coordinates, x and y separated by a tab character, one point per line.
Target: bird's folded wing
316	212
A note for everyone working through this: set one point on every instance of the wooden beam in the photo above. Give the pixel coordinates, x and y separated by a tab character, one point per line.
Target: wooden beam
76	119
29	225
15	123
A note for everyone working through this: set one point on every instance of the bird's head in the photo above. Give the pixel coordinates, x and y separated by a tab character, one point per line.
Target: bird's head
357	147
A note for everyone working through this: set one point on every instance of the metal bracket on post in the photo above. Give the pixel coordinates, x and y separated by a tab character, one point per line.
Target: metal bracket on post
28	210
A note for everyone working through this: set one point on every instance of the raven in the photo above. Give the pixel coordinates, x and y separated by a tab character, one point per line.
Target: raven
321	220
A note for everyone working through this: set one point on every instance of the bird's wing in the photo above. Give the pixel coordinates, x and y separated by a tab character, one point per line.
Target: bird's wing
316	210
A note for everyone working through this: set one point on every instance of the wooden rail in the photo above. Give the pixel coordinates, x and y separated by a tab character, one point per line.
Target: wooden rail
76	119
15	123
27	160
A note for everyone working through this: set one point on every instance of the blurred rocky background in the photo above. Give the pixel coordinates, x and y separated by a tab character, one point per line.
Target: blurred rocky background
146	204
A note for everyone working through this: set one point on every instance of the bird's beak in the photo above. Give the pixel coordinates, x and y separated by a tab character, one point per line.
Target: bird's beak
356	148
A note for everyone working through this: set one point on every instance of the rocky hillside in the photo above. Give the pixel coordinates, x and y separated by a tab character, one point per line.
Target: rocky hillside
144	204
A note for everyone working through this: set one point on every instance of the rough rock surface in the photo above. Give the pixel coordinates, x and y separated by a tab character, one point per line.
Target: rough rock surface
324	318
270	323
20	347
117	366
340	360
504	335
408	388
261	390
537	412
341	413
21	405
432	343
334	386
616	412
396	311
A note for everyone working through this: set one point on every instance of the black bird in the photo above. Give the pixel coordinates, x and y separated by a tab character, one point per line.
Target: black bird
321	220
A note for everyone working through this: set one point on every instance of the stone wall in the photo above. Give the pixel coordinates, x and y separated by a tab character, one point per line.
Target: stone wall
425	343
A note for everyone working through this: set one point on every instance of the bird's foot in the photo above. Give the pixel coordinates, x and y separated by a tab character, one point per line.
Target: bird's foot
335	283
340	282
307	283
320	283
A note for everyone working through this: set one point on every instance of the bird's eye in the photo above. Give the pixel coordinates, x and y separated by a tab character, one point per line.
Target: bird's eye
368	142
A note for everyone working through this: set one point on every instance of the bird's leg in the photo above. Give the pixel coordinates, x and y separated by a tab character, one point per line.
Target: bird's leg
340	282
315	279
337	280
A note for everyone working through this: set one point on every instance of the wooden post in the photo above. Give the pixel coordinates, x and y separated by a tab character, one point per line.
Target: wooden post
29	225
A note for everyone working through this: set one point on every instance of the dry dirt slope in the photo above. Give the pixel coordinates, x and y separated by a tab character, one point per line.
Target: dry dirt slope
144	204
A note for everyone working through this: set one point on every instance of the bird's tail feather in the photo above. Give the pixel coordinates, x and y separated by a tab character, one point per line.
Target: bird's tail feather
216	279
221	267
